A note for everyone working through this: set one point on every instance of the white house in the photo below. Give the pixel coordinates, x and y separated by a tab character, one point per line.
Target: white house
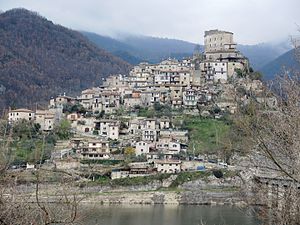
95	149
149	135
20	114
151	124
142	147
108	128
167	166
170	147
190	98
164	123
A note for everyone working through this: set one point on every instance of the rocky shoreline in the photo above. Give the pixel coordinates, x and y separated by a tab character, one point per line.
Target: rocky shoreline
167	198
210	191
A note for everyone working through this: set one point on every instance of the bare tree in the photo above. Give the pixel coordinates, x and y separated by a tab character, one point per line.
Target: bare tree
273	138
37	203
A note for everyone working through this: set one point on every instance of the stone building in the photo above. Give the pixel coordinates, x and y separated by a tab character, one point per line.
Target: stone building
142	147
20	114
167	166
95	149
108	128
45	119
222	58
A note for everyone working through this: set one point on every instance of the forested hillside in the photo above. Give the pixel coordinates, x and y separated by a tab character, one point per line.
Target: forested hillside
282	64
39	59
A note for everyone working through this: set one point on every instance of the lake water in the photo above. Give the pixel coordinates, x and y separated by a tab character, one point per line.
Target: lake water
166	215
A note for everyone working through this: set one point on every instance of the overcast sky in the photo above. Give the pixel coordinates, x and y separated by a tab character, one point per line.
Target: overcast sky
252	21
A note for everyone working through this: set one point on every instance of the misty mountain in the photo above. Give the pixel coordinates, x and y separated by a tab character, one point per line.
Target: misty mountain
135	49
117	48
156	49
261	54
39	59
285	62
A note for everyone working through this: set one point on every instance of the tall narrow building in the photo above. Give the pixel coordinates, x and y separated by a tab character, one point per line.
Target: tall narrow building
221	57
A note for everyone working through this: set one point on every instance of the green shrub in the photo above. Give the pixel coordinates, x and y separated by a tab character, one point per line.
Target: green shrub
128	181
189	176
102	161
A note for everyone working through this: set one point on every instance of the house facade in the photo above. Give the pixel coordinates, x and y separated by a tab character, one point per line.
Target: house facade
20	114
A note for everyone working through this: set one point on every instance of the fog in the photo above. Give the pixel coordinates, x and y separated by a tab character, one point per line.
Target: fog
252	21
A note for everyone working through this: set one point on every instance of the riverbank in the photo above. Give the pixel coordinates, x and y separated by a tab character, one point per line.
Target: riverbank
192	190
168	197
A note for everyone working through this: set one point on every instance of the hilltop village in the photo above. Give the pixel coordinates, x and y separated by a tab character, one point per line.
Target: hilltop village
137	114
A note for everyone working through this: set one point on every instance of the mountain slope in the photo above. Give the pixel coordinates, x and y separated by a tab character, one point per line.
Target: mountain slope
117	48
261	54
287	61
155	49
135	49
39	59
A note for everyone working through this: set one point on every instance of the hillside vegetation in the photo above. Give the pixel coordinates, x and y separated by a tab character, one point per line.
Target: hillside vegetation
206	135
39	59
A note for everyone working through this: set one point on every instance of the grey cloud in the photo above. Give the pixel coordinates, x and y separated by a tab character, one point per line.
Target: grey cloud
252	21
